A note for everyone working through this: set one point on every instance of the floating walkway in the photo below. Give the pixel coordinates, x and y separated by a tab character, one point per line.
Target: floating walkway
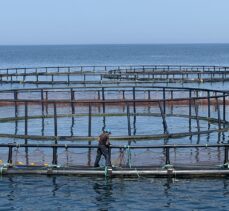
167	170
137	172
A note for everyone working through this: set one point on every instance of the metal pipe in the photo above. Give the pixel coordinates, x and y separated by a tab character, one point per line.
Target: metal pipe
172	146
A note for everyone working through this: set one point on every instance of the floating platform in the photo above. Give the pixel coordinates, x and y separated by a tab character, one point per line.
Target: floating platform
165	172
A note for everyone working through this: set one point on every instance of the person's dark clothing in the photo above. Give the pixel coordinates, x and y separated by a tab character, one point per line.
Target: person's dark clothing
104	139
103	149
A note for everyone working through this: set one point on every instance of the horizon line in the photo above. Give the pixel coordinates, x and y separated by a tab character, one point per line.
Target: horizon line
188	43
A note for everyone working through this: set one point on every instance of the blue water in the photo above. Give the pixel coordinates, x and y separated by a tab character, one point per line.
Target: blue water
78	193
30	56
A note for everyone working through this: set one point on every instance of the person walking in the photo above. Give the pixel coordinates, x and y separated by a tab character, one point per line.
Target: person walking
103	148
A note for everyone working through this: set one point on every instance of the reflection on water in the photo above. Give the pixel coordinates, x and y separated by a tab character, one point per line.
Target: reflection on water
77	193
104	192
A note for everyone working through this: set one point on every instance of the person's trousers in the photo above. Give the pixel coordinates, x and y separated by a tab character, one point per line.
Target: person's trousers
105	151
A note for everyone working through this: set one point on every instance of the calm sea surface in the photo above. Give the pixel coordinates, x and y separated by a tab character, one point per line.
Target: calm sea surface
25	56
82	193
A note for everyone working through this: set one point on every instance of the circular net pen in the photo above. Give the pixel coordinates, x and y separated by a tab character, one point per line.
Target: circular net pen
170	74
97	75
61	125
133	113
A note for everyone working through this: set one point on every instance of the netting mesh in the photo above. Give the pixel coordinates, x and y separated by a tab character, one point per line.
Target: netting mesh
68	157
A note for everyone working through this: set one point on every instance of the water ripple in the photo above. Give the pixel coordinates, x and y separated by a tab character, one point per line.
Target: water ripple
77	193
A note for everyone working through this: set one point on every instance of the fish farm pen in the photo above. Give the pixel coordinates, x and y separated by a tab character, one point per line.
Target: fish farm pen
90	75
157	131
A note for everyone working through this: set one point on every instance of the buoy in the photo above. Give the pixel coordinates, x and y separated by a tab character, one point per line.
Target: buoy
46	164
1	162
19	163
32	164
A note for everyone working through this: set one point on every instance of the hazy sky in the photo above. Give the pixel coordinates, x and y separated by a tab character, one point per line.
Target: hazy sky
113	21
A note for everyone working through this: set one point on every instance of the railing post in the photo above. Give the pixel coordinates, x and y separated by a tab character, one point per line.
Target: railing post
123	94
89	134
103	98
15	103
26	131
55	121
89	120
218	111
46	99
68	75
72	99
171	101
54	157
149	95
190	110
163	116
225	155
209	104
224	109
42	101
164	101
24	75
167	156
26	119
197	115
128	120
10	155
134	97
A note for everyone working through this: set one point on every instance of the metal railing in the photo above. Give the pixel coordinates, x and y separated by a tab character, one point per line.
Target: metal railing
167	149
114	74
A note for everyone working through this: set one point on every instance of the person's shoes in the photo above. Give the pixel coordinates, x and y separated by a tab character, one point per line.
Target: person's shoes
96	166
